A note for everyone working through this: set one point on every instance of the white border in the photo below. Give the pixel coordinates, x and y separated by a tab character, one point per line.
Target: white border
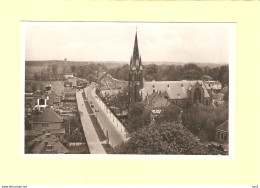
232	104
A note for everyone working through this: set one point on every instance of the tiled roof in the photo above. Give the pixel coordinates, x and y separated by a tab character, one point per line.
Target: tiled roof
218	96
174	89
39	132
223	126
48	116
57	146
157	100
118	84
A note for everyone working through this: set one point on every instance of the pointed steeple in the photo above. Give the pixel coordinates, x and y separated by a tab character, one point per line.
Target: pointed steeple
136	50
140	63
130	63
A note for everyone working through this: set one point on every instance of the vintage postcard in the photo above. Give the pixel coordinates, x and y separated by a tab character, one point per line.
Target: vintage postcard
128	88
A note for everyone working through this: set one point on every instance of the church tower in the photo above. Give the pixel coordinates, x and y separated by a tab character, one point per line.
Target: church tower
135	82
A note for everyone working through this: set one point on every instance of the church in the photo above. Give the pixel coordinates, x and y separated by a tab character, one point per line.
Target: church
175	92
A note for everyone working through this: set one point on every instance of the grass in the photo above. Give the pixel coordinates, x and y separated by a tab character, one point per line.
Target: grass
95	123
99	131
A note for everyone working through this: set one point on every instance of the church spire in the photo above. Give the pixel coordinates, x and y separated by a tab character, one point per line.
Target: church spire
140	63
136	50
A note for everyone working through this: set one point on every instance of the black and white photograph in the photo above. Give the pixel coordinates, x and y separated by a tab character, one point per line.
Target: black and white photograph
133	88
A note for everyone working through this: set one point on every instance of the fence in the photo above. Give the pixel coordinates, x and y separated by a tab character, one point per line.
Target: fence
120	127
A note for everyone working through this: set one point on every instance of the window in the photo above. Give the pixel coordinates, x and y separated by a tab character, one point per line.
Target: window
45	124
225	137
218	135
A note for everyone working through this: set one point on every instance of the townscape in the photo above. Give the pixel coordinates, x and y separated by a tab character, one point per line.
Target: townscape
129	108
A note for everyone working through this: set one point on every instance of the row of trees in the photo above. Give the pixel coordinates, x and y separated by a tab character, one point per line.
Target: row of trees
52	72
176	72
89	71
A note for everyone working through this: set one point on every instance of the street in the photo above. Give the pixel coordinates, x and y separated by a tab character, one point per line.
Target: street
94	145
115	136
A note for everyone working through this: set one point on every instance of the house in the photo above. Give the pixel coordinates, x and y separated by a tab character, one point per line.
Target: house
157	100
214	85
218	98
47	121
222	132
46	143
111	86
73	81
68	75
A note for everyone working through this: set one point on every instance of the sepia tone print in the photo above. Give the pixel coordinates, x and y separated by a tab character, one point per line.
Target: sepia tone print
127	88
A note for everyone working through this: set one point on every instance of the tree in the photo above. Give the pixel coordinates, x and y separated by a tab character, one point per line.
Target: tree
203	118
151	72
192	74
36	76
55	69
207	78
138	117
91	78
226	96
168	114
192	66
222	71
167	138
34	87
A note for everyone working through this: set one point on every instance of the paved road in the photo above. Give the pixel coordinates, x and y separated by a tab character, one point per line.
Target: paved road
94	145
115	136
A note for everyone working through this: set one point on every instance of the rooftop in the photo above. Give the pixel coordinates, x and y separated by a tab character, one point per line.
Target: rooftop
50	140
223	126
48	116
174	89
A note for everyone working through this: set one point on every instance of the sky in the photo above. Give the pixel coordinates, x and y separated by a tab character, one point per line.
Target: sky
114	41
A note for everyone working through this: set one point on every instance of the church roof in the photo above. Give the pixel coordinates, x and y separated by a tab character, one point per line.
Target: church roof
48	116
174	89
